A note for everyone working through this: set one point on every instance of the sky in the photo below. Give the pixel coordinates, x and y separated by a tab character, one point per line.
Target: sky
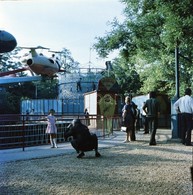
57	24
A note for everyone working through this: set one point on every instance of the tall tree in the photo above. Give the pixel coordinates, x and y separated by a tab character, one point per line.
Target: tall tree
148	37
67	61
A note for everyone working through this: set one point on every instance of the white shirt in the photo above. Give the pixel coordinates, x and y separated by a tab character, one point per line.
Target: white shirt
184	104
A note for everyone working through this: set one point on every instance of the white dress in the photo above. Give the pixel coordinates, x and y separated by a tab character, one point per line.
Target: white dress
51	128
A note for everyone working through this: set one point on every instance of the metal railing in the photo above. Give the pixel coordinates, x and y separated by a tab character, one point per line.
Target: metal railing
20	131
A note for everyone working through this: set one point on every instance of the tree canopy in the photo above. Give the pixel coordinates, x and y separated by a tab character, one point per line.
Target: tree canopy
146	41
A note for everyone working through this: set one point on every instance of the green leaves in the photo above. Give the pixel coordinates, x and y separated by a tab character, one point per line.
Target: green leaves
147	40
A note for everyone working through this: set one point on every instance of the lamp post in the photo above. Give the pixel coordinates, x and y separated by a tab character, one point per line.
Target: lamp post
177	72
174	115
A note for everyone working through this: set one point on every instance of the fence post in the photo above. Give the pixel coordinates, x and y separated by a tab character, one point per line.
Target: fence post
23	133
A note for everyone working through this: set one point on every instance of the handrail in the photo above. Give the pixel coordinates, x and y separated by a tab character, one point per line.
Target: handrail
21	131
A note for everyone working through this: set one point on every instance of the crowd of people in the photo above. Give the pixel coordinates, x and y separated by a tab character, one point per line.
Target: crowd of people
84	141
150	114
130	117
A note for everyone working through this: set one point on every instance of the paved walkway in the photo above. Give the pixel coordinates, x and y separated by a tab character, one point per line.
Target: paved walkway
133	168
163	135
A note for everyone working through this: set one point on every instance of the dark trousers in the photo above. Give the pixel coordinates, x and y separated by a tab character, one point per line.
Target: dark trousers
145	123
152	124
87	145
186	127
133	137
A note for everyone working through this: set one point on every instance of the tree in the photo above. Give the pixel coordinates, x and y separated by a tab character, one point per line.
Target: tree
11	94
147	38
47	89
11	61
126	76
68	62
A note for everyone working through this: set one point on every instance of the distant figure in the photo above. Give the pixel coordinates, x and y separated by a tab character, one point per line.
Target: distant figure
51	128
93	86
27	115
134	109
128	118
184	106
151	108
144	121
78	85
31	113
137	119
83	140
86	115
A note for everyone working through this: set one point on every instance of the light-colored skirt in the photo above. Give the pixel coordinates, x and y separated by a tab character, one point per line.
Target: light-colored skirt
51	129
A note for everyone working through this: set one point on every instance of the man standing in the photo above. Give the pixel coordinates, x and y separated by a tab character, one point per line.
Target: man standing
184	106
151	108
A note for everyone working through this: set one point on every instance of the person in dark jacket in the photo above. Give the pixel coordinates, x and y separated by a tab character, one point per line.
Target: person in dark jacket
82	140
128	119
152	110
134	110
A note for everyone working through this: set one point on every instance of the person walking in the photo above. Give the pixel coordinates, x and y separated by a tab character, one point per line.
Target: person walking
184	106
51	128
152	110
128	119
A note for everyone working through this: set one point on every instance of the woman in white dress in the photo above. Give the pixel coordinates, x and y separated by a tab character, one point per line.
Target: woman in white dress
51	128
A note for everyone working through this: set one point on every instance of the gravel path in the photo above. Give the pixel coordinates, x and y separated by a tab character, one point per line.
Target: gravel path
133	168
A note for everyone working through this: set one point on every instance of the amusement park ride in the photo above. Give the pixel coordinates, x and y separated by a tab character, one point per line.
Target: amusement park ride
38	63
7	42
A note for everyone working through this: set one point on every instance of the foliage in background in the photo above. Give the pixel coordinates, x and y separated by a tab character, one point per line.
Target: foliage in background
146	41
11	94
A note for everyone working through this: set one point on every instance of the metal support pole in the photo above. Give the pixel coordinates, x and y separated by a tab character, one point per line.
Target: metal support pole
174	115
23	133
177	72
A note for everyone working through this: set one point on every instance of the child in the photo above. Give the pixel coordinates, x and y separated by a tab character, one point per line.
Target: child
51	128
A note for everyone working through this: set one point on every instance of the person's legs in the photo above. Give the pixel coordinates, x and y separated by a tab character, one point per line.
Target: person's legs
150	124
54	140
81	154
95	142
146	130
128	135
132	131
153	132
75	145
51	141
189	129
88	145
183	127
